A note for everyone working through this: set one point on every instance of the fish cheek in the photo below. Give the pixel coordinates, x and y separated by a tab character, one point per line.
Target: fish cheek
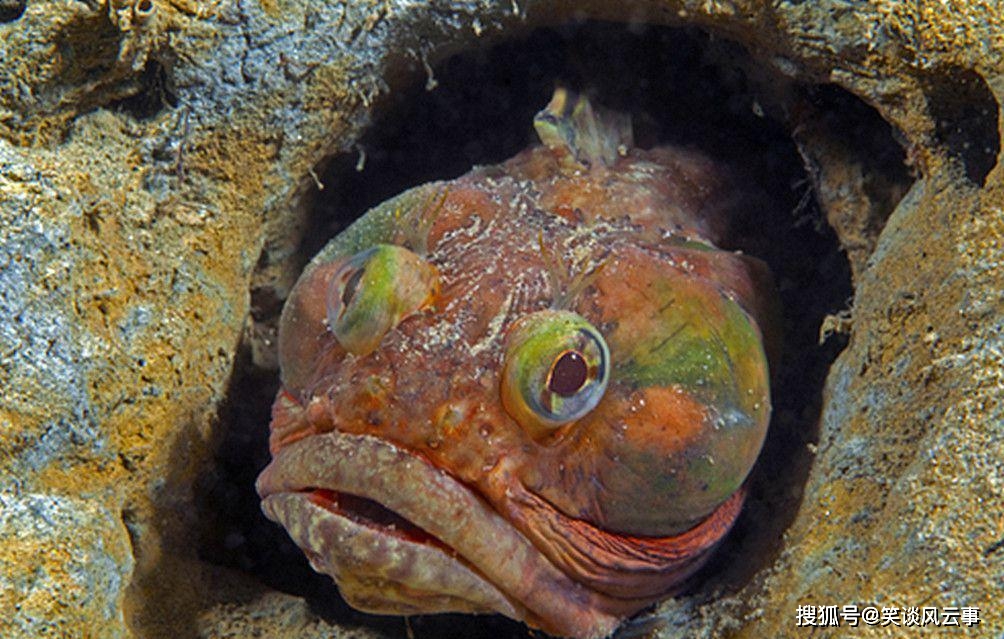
663	478
693	406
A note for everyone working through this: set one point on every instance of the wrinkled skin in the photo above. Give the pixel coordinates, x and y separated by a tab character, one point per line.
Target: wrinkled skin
416	461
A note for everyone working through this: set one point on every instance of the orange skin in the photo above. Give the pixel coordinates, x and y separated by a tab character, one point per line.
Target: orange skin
594	537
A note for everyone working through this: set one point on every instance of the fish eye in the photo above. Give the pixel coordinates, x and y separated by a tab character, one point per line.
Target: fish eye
373	291
555	372
568	374
350	286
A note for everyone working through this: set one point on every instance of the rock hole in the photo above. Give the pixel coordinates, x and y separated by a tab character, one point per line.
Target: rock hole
11	10
965	113
855	163
153	93
682	87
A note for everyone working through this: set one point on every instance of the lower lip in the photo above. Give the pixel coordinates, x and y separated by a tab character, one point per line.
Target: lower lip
436	505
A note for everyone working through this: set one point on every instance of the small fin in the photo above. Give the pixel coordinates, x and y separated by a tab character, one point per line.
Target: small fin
584	134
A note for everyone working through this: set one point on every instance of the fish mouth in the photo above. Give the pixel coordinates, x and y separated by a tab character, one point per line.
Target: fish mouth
401	536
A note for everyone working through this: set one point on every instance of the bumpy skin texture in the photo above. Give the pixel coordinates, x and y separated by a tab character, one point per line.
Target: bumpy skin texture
409	472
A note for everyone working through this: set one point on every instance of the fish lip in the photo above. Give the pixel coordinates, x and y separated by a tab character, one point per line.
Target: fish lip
380	571
448	510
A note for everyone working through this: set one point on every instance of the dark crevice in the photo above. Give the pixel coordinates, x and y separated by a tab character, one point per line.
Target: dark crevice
681	87
154	92
875	141
965	113
11	10
855	163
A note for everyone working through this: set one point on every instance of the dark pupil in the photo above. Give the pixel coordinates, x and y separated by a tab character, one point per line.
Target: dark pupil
351	285
568	374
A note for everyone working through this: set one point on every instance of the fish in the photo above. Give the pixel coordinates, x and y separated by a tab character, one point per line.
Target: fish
535	390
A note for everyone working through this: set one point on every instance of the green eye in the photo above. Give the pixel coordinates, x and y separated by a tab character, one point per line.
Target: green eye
556	370
373	291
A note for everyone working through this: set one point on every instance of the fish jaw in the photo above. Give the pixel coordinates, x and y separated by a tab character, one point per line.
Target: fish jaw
382	570
456	553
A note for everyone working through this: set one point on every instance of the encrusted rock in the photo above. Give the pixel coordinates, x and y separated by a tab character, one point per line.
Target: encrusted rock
156	163
64	566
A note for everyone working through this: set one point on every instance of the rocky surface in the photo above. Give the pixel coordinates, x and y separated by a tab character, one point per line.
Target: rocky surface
79	583
157	166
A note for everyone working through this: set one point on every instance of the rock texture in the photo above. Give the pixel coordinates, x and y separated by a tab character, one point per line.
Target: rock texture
78	587
155	162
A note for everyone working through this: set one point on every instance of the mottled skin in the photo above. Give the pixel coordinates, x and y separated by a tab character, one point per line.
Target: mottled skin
567	526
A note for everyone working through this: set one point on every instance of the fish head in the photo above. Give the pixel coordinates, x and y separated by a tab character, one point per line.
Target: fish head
523	391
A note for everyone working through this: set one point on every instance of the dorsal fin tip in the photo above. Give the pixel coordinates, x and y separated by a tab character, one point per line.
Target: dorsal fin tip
582	132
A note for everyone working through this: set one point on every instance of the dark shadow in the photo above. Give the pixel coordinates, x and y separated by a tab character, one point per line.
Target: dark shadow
154	93
11	10
965	113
